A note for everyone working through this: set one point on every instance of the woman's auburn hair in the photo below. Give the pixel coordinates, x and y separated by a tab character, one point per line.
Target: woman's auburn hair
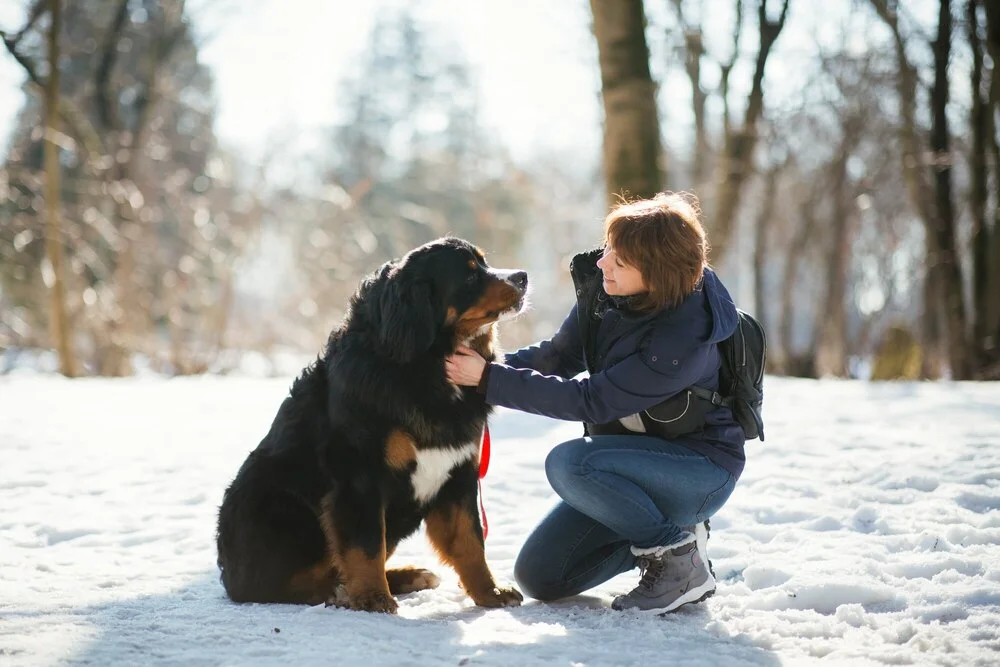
664	239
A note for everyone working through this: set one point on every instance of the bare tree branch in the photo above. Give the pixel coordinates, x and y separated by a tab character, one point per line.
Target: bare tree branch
737	158
34	14
77	121
174	29
107	107
694	50
725	68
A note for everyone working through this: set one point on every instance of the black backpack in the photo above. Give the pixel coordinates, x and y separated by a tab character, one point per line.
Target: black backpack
741	378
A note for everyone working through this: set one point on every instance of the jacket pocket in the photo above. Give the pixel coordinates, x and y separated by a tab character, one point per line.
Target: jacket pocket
679	415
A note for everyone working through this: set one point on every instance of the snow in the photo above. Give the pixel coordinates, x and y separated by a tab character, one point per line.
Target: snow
865	531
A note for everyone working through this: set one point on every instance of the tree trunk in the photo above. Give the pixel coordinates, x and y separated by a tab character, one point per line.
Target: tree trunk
125	328
944	231
983	345
632	152
59	326
831	320
737	159
761	250
992	312
792	363
919	190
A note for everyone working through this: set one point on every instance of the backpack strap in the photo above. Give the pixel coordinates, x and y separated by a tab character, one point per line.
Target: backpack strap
713	397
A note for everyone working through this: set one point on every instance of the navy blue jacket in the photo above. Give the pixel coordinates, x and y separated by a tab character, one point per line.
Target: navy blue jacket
639	360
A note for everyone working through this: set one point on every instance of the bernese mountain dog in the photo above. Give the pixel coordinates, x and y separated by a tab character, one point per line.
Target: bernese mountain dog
371	441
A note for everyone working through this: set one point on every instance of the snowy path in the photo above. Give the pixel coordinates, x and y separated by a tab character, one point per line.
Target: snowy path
866	530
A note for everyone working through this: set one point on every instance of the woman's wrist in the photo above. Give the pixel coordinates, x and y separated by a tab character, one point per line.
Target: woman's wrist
484	379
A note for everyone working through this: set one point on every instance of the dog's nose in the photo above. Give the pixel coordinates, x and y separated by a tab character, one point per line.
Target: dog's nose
520	279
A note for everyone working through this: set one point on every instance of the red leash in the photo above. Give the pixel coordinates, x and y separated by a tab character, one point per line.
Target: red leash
484	465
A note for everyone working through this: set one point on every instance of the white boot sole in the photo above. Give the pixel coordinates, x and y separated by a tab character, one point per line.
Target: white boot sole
693	596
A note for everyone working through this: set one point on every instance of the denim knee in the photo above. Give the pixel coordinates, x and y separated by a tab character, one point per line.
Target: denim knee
530	578
563	464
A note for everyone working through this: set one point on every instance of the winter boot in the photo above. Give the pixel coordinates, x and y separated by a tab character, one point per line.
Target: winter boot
672	576
702	532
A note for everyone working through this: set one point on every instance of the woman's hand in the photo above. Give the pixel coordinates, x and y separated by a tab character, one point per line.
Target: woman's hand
465	367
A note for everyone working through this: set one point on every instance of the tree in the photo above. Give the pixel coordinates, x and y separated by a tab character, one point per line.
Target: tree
918	184
984	150
736	161
408	160
694	50
633	160
152	217
764	224
58	324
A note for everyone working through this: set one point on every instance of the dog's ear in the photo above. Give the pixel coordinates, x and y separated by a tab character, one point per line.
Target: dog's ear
407	321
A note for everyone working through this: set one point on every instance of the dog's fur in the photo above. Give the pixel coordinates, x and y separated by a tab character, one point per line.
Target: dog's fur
371	441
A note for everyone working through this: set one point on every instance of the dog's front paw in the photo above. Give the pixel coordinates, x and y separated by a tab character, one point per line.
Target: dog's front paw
339	598
376	601
500	597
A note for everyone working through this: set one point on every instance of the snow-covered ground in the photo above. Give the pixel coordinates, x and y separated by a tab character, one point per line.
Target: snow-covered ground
866	530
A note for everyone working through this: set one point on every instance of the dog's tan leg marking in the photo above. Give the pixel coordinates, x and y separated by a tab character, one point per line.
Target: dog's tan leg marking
400	451
364	581
454	536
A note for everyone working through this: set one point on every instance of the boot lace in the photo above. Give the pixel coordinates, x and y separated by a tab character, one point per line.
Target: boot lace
651	568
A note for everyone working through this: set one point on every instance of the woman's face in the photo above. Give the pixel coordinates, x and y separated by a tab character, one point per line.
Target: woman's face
620	279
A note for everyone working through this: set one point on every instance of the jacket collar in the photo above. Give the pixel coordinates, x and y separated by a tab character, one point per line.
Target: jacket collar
583	266
586	278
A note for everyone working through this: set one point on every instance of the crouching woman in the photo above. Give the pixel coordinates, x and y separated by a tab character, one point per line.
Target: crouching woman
656	462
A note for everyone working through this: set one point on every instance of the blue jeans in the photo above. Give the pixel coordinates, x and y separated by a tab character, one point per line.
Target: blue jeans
617	491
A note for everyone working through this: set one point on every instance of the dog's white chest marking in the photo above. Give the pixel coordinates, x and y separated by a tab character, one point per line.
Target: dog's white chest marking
434	466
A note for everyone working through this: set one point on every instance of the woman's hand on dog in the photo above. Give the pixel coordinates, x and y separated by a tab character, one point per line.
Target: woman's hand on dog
465	367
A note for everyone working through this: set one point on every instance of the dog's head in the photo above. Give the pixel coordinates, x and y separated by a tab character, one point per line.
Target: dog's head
442	291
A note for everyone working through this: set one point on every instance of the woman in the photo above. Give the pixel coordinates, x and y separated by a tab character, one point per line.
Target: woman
655	461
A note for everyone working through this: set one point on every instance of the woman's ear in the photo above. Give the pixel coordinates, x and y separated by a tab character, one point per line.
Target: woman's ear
407	323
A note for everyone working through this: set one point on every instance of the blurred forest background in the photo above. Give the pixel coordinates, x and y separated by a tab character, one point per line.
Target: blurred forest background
847	160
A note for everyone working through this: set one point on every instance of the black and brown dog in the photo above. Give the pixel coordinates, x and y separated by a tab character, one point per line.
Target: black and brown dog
371	441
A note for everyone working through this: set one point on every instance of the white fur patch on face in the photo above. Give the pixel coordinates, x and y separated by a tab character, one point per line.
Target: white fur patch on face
515	310
434	466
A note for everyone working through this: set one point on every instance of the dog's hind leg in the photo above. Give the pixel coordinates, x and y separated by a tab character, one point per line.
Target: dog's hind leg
410	580
271	548
313	585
